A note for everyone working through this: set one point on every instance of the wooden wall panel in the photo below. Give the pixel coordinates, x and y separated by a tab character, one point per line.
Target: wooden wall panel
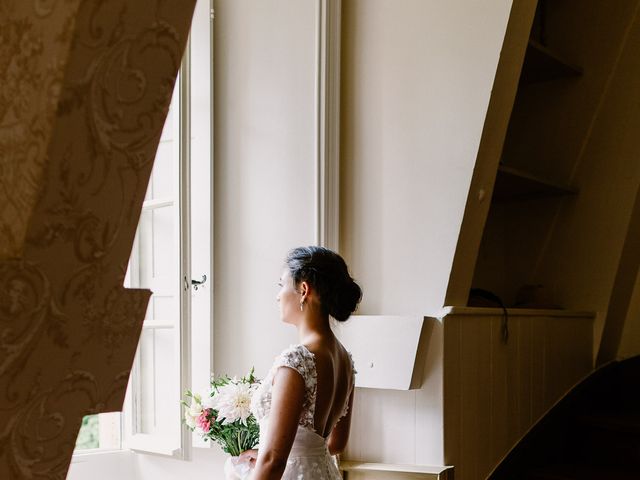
429	439
472	406
499	388
452	385
494	391
538	369
521	363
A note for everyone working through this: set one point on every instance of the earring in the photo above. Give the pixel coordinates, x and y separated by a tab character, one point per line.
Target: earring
301	305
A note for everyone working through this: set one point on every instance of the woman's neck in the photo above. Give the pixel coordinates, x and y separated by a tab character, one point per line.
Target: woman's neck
313	329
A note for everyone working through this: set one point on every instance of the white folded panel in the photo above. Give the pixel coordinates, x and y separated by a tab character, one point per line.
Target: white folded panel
384	349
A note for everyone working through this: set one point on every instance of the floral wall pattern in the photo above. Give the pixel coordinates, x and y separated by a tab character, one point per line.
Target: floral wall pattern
84	90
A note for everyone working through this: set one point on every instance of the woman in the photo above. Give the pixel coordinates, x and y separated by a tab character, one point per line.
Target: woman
304	403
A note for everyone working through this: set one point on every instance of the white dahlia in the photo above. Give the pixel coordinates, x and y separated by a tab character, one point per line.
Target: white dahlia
233	402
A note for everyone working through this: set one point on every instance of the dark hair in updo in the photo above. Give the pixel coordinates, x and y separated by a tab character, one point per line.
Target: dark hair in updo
327	273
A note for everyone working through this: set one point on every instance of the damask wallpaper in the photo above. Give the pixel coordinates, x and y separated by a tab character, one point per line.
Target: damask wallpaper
34	44
84	90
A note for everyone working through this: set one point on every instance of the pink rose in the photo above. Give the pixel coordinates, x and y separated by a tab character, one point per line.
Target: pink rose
203	422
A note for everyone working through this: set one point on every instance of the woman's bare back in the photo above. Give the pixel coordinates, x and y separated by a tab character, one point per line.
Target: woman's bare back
334	383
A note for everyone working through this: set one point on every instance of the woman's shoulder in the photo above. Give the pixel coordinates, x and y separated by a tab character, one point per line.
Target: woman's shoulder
297	357
297	350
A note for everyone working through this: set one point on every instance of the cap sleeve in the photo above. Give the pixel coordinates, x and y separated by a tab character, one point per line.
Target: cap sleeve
298	358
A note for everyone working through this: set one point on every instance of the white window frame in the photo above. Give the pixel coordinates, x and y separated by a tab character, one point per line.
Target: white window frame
133	439
203	328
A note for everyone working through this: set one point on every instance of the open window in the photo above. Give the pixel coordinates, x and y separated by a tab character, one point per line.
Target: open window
160	262
171	256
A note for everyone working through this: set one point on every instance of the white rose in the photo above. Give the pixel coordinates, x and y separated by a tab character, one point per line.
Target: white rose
192	412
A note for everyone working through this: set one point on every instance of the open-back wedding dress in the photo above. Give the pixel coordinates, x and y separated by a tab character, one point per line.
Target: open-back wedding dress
309	458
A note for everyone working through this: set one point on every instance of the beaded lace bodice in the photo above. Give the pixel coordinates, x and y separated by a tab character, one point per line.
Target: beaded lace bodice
299	358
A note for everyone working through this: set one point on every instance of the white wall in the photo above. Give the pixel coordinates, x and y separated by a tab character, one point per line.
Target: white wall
416	86
127	465
205	463
265	93
103	466
417	77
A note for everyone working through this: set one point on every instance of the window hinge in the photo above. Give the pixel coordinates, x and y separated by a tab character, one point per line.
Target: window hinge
212	14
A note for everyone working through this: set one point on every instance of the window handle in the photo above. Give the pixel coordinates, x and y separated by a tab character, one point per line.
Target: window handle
198	283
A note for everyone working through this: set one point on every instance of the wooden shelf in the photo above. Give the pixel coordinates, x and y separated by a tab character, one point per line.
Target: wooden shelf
542	65
451	311
513	184
399	471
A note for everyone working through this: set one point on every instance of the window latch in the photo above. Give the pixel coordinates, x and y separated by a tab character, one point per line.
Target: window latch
198	283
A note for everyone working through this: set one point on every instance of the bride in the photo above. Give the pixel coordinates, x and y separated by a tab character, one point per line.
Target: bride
304	403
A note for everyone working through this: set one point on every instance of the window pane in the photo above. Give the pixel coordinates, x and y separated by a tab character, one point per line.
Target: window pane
158	249
101	431
164	308
155	382
161	184
154	386
164	248
89	436
158	399
146	408
163	171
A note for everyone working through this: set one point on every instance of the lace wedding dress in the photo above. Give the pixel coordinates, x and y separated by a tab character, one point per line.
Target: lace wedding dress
309	458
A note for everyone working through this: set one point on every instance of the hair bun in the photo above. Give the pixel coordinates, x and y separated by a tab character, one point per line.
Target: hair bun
327	272
346	300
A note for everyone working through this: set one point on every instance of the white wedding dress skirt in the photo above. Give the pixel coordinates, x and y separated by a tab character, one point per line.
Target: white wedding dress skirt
309	458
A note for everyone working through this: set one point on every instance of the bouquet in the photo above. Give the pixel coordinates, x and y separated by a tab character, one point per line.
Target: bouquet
225	416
